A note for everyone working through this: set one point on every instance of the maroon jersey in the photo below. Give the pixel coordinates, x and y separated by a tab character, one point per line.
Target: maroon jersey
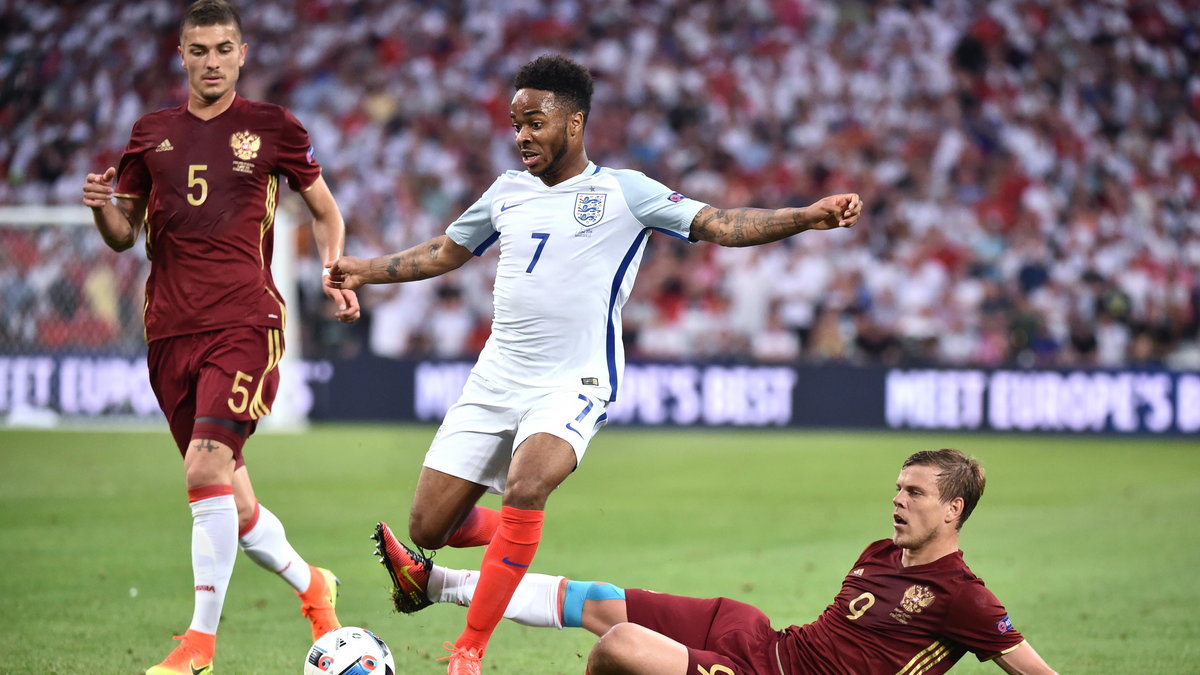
890	619
212	187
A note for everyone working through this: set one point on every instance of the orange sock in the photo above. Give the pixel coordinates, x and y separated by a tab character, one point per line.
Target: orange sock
477	530
504	563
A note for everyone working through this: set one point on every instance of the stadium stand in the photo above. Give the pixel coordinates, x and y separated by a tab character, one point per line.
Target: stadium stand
1031	168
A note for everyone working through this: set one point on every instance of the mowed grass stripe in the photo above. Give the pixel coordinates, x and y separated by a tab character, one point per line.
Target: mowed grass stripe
1092	542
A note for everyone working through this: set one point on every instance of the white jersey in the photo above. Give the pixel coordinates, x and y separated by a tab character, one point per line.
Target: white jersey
568	258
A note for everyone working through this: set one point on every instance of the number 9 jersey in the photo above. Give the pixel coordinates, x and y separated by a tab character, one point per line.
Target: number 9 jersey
212	187
913	620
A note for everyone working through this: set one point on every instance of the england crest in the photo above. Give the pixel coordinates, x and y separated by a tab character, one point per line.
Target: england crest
589	208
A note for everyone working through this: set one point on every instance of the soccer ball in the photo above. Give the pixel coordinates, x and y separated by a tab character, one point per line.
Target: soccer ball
349	651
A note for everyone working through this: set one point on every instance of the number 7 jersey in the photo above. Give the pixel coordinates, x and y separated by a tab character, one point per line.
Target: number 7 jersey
211	188
569	254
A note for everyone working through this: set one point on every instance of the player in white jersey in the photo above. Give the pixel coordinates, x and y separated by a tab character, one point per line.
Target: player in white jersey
571	238
586	235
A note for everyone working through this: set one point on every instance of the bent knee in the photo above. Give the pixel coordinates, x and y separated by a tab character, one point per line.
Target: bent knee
207	462
529	493
613	651
426	532
200	475
604	658
631	649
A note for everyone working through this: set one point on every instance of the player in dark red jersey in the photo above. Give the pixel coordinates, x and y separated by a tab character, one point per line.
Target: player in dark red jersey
203	180
909	605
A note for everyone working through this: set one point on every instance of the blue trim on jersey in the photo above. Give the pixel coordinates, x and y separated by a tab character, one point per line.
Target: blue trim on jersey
597	170
580	591
487	243
610	345
677	235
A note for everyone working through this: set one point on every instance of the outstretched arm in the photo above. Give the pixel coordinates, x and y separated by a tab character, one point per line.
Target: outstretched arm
751	227
1023	661
118	223
329	231
423	261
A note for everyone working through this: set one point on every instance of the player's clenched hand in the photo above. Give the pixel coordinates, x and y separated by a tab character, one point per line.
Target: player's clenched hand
347	273
97	188
837	211
338	288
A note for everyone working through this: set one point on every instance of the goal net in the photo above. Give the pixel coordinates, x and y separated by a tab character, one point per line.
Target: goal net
72	347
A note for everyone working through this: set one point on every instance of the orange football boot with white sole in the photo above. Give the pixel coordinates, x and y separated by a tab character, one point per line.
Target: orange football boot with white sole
463	660
193	656
318	601
408	569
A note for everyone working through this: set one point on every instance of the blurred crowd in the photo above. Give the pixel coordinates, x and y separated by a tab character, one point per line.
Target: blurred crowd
1031	168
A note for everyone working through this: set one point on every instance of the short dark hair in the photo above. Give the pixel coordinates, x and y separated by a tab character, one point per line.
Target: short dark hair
959	476
569	81
210	13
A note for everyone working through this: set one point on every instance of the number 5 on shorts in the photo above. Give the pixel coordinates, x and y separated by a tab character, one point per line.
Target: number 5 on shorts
239	390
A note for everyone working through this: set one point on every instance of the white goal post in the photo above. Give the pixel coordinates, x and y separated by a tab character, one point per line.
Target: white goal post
26	368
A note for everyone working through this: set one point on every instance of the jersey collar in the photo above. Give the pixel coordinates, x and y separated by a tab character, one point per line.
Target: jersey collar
588	170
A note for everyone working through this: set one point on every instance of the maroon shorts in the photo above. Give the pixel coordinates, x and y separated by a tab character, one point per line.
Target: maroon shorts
229	376
722	635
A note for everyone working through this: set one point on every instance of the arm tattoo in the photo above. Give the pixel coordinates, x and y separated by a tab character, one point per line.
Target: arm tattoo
745	226
703	228
410	263
738	221
431	253
393	267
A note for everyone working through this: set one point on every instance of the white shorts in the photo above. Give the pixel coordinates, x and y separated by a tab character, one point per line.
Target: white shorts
487	424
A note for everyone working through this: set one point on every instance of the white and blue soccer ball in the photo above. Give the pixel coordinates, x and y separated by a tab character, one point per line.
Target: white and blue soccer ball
349	650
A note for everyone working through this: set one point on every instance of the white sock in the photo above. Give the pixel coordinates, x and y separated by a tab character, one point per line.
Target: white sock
214	546
267	545
534	603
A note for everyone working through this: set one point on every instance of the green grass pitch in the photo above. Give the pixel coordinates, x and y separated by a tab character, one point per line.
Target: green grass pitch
1092	543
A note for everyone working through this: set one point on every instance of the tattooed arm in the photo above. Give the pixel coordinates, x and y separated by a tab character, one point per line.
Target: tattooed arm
430	259
750	227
